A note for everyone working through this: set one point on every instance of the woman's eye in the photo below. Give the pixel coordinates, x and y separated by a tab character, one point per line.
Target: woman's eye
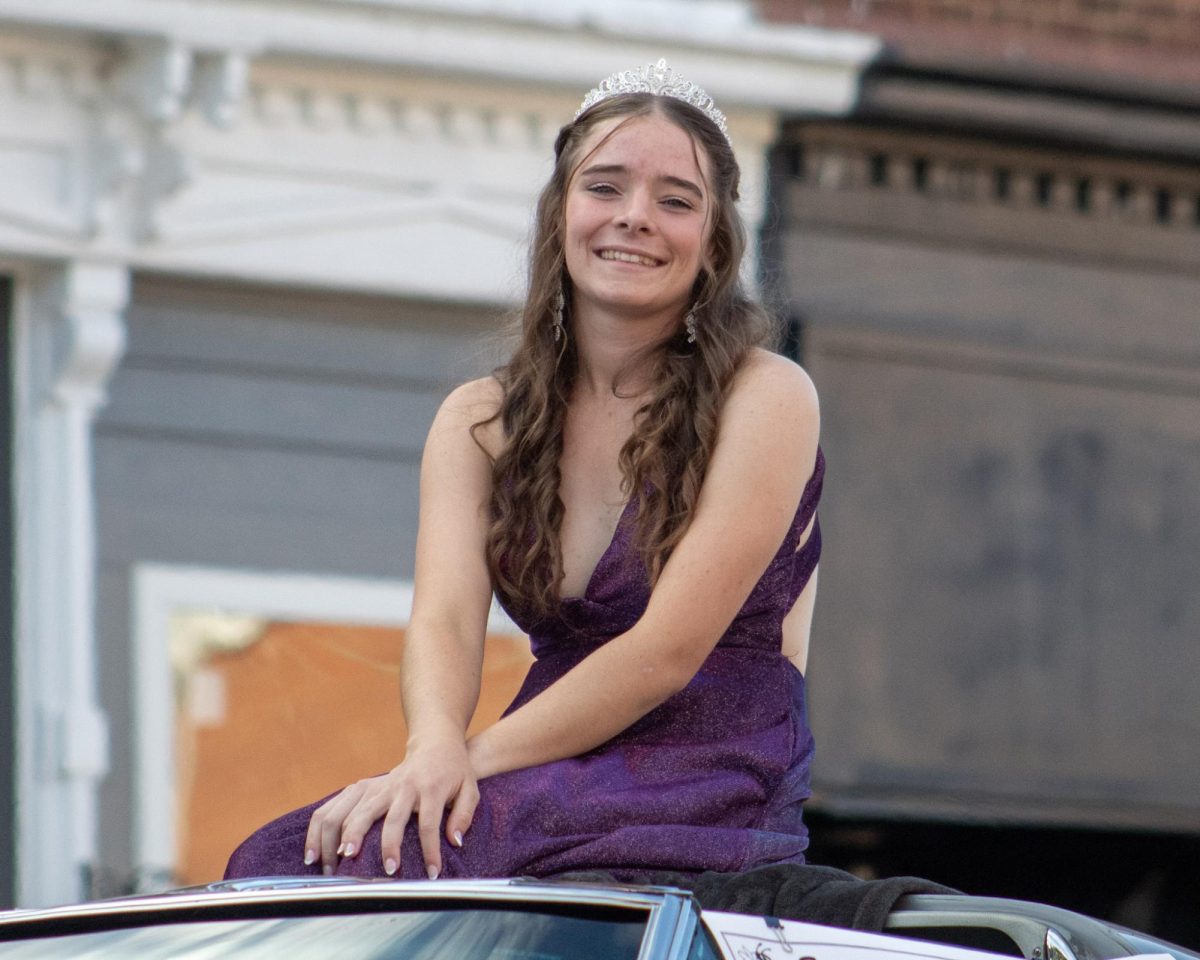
678	202
602	188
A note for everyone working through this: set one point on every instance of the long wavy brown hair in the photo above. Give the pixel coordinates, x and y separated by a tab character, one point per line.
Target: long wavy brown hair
664	461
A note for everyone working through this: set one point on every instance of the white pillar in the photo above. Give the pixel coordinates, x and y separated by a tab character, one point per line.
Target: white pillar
72	337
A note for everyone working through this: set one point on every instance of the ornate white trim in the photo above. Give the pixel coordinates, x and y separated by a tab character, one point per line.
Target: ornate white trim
156	76
570	43
391	146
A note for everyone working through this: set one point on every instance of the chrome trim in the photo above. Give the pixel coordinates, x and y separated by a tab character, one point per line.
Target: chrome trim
1029	925
267	890
664	938
1056	947
1029	935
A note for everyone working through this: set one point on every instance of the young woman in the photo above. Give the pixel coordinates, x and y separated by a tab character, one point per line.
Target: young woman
638	486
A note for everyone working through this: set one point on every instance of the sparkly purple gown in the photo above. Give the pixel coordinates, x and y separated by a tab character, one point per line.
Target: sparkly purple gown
712	779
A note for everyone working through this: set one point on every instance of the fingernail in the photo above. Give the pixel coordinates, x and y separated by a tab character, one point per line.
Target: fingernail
341	847
310	857
389	866
432	871
458	838
349	851
327	870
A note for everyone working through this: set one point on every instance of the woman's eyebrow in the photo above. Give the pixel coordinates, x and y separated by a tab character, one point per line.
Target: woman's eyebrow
605	168
610	169
684	185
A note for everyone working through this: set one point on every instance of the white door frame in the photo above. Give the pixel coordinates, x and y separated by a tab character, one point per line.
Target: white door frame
160	590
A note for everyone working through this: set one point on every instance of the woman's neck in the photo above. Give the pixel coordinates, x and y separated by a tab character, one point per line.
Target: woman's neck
608	347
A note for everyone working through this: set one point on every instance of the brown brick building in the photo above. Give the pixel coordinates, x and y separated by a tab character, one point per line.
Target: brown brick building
1152	40
993	265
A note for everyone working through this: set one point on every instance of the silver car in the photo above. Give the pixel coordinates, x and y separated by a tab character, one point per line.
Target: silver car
535	920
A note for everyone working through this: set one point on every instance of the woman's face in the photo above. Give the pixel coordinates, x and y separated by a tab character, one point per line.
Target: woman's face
637	219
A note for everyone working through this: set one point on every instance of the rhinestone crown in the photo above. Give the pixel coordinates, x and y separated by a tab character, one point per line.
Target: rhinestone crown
659	79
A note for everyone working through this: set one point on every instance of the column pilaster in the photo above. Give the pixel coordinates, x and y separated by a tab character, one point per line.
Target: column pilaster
74	337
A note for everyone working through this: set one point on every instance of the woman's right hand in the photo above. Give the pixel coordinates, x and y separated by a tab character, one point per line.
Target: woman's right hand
430	779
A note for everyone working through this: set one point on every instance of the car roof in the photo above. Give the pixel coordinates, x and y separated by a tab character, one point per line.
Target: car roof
1034	928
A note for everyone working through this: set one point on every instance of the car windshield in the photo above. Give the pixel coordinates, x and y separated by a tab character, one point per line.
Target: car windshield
1141	944
419	935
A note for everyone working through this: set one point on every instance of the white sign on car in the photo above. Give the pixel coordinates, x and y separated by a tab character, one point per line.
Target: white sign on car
742	937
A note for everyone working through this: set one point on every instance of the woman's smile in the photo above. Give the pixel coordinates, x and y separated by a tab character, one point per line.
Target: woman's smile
629	256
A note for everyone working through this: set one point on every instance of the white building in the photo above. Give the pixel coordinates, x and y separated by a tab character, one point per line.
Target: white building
247	245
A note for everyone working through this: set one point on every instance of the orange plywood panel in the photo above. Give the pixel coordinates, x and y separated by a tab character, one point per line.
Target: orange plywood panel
297	715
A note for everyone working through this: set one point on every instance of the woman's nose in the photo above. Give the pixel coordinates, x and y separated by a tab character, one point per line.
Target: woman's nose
635	212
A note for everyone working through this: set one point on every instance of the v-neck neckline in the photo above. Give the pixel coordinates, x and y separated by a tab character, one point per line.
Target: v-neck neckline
612	542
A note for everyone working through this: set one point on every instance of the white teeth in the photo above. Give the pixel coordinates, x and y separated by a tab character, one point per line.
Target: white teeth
627	257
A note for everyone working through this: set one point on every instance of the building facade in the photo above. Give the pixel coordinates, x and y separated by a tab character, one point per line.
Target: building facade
995	259
246	247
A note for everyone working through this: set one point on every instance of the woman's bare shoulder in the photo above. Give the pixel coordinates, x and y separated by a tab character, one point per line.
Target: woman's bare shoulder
475	398
770	380
472	407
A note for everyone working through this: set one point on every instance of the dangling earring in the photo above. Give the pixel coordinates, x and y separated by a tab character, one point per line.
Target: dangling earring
689	323
556	311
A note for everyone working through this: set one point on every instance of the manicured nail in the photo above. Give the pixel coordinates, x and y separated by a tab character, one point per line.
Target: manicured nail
310	857
458	838
327	870
349	851
341	847
432	871
389	866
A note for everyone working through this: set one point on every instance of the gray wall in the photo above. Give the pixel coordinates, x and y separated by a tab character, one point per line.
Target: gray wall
1009	619
264	430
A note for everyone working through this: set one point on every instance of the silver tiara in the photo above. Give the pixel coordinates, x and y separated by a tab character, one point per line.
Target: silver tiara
661	80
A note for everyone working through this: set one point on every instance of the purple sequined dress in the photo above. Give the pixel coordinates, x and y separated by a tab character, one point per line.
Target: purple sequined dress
712	779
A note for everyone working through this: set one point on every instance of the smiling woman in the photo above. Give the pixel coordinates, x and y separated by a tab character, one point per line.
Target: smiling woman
638	486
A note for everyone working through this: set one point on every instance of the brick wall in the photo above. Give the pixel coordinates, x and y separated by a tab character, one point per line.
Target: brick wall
1152	39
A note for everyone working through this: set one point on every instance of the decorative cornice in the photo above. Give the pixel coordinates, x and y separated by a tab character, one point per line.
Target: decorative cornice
155	76
955	188
567	45
1100	121
89	333
169	170
974	172
379	114
221	81
350	143
36	70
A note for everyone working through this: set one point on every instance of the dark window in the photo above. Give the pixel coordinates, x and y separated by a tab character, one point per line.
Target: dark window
461	933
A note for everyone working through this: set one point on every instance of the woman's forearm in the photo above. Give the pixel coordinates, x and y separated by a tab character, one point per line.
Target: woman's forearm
439	687
607	692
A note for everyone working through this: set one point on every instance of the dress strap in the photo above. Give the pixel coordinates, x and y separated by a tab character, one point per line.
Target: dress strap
808	502
804	560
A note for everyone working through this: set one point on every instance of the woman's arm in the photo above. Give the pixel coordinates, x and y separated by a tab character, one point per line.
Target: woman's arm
762	461
442	656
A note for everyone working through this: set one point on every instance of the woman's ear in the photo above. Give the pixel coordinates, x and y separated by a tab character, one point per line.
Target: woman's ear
705	278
